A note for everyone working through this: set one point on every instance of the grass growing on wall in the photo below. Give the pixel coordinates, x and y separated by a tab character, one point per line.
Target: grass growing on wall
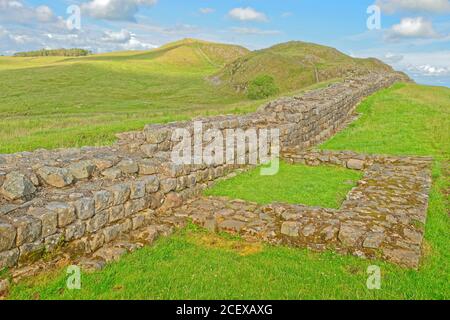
197	265
324	186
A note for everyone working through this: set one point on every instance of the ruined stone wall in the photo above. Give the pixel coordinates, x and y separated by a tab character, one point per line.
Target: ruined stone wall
79	199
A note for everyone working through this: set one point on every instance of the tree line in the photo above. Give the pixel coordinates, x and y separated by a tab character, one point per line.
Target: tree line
54	52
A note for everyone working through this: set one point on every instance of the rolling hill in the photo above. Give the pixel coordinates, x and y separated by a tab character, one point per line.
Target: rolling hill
72	101
294	65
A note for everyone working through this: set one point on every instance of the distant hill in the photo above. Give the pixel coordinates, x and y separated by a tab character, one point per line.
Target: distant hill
192	52
54	53
294	65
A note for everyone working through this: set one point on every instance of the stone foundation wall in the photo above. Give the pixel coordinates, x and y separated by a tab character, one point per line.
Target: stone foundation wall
77	200
383	217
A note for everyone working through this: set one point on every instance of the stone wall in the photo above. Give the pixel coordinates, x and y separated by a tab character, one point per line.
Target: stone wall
382	217
77	200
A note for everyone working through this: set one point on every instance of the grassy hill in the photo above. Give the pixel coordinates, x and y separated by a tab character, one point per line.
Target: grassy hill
49	102
294	65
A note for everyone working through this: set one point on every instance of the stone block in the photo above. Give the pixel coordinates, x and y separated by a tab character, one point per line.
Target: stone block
56	177
48	218
17	186
7	236
84	208
66	212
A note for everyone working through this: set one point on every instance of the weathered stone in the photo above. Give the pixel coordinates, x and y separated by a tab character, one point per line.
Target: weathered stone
149	149
82	170
17	186
126	226
148	167
403	257
168	185
48	218
112	173
28	229
110	254
96	241
103	200
137	221
349	234
111	233
84	208
137	189
156	136
9	258
53	242
146	235
373	240
75	231
290	228
7	236
7	208
173	200
308	230
231	225
355	164
330	233
151	184
97	222
116	213
31	252
103	163
211	225
128	166
76	248
4	286
91	265
134	206
56	177
66	212
413	235
121	193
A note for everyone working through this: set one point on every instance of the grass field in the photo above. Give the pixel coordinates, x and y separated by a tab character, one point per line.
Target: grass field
48	102
324	186
405	119
51	102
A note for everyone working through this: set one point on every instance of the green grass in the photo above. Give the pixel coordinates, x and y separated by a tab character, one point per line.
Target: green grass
405	119
324	186
50	102
196	265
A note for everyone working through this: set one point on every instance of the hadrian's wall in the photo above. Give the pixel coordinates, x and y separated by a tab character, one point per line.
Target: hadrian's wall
78	200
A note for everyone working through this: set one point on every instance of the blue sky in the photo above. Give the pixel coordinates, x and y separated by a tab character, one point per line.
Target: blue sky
413	35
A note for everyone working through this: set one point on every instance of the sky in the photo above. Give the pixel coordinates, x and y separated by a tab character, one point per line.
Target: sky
411	35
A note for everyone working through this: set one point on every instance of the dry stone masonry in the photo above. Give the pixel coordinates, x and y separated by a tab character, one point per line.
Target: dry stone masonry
383	217
104	201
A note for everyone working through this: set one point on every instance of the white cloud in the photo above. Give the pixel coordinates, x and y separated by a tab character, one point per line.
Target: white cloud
392	58
412	28
432	6
207	10
124	10
122	36
247	14
254	31
125	40
430	70
14	11
135	44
